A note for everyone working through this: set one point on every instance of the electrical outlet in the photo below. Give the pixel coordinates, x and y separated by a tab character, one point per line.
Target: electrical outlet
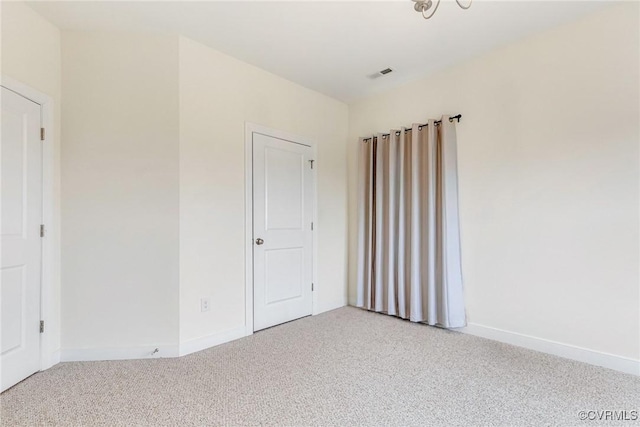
205	304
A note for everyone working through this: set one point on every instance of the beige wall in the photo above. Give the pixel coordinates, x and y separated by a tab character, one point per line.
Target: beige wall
119	191
548	165
153	188
218	94
31	55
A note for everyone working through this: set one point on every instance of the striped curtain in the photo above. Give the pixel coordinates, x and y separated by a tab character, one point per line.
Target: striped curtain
409	262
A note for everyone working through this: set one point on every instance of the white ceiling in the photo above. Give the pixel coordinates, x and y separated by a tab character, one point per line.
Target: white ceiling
330	46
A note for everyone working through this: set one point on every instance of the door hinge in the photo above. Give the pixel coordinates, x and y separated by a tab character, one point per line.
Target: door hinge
41	134
41	230
311	226
311	287
311	163
42	326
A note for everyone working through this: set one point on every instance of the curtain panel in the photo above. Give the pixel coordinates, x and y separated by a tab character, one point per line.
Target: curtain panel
409	262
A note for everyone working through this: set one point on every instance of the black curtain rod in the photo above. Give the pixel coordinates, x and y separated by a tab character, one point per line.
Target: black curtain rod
437	122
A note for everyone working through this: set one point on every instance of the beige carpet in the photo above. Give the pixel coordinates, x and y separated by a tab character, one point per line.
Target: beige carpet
344	367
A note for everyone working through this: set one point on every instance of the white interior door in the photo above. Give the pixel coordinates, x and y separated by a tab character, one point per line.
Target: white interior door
282	234
21	242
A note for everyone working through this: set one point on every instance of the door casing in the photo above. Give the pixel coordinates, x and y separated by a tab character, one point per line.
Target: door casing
49	355
250	129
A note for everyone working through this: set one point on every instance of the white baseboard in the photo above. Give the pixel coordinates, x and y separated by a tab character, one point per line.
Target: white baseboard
147	352
54	359
202	343
328	307
49	360
142	352
611	361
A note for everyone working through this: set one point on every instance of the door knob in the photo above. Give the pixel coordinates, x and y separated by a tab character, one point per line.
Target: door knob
259	241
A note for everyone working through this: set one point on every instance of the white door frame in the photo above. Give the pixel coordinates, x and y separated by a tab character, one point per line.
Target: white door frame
49	355
250	129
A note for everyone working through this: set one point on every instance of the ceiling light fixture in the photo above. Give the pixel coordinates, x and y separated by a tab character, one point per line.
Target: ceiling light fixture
423	6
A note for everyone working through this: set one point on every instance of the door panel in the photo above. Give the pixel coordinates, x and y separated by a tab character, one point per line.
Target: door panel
284	180
283	206
284	274
20	234
13	292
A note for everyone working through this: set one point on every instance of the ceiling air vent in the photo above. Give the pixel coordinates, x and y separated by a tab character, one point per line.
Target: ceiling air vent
380	73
